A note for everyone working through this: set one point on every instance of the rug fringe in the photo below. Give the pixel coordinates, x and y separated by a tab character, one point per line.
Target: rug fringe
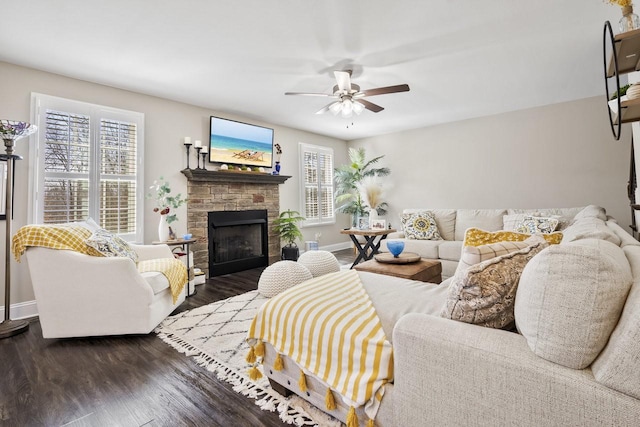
266	399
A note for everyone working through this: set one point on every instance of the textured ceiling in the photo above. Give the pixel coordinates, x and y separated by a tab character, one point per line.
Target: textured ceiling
461	58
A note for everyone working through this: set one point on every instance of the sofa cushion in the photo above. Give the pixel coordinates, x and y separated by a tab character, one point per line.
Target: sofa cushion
472	255
592	211
450	250
590	228
617	365
445	220
110	245
484	293
424	248
537	224
477	237
156	280
486	219
420	226
393	297
570	298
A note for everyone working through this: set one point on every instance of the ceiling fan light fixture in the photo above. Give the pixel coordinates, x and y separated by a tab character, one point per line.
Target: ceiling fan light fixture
347	108
358	108
335	108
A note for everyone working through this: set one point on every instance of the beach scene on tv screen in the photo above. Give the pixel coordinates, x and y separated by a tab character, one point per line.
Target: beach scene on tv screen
240	143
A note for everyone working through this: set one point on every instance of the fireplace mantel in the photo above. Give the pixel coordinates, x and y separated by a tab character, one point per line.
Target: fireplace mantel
202	175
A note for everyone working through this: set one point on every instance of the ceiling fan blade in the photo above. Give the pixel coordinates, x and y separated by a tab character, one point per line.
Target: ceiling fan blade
309	94
344	80
327	108
383	90
370	105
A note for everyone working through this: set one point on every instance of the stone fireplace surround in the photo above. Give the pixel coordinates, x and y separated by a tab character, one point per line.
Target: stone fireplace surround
209	190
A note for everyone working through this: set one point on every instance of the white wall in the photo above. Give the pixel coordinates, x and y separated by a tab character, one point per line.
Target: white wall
559	155
166	123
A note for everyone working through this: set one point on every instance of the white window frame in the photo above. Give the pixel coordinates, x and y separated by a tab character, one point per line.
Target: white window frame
39	104
303	148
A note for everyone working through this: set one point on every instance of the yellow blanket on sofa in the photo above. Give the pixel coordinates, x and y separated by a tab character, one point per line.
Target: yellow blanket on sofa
329	327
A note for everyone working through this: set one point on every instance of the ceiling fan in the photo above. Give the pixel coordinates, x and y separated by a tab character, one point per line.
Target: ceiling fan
350	97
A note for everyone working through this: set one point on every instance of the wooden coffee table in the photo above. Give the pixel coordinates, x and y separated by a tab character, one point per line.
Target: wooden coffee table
425	270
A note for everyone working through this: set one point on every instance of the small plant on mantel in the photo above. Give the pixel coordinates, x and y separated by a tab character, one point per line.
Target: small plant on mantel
286	225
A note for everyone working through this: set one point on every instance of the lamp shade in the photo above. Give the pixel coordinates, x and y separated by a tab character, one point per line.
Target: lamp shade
12	129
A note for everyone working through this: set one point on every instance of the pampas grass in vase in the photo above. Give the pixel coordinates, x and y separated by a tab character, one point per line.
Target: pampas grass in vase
372	192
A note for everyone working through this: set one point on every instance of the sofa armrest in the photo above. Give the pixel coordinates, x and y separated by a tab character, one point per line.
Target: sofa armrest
453	373
146	252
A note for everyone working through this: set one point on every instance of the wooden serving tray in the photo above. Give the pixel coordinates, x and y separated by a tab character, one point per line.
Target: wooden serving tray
403	258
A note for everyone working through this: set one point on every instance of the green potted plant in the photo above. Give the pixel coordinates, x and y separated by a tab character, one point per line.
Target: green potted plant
286	225
349	177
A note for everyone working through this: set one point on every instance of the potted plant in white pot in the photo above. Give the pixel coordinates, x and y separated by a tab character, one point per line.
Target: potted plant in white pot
286	225
348	177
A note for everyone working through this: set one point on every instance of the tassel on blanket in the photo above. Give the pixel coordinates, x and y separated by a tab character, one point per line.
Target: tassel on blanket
254	374
259	349
251	356
329	401
302	382
370	423
352	418
278	365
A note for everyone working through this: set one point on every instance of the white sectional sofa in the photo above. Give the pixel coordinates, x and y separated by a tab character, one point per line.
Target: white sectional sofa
575	360
452	224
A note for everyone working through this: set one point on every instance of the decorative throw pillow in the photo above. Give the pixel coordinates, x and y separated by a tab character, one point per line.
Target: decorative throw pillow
537	224
485	293
111	245
570	299
477	237
512	221
472	255
420	226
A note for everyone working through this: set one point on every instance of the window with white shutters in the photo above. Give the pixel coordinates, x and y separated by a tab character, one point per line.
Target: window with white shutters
88	164
317	185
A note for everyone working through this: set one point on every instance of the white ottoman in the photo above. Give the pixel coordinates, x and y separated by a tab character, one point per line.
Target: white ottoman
280	276
319	262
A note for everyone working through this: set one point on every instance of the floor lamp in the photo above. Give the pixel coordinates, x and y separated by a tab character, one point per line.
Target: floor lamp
10	132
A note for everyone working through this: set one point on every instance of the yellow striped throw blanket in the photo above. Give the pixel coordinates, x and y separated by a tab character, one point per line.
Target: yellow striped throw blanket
329	327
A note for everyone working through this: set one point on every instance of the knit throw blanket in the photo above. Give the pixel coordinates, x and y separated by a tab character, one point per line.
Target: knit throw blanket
173	269
329	327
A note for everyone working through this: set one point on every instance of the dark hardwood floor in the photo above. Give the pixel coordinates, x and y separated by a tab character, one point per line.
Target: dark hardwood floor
131	380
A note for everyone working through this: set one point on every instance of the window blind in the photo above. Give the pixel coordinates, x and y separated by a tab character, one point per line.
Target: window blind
88	165
317	187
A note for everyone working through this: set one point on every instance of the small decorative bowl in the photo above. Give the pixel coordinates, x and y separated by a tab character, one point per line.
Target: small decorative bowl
395	247
187	236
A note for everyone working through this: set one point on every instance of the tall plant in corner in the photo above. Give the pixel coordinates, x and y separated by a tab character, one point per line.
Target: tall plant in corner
349	177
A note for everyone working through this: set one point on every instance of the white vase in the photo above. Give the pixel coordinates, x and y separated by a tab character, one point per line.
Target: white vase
163	229
373	214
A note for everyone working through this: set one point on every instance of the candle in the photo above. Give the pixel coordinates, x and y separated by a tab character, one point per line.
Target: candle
198	143
187	140
204	150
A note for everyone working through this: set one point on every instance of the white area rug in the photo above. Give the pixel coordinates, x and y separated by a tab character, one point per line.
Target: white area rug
214	335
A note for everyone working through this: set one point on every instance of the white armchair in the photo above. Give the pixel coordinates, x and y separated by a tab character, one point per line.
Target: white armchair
81	295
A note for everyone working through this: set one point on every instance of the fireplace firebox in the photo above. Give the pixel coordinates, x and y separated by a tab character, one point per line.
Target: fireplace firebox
238	240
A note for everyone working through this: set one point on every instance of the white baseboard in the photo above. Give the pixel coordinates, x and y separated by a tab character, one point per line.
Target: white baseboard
336	247
21	310
333	248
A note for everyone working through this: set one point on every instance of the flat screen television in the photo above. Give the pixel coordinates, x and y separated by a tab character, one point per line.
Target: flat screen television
240	143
